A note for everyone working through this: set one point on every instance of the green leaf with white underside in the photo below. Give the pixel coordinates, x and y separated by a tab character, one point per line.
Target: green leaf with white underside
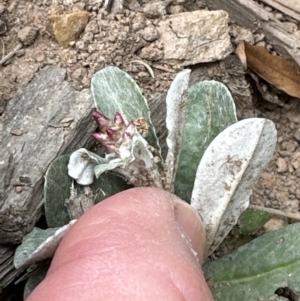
227	172
115	91
256	270
39	244
209	111
57	190
176	101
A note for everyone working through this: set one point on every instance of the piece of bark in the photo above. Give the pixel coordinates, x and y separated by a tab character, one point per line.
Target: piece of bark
40	111
250	14
288	7
7	271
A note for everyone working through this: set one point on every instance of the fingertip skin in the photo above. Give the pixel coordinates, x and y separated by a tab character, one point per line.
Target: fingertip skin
137	245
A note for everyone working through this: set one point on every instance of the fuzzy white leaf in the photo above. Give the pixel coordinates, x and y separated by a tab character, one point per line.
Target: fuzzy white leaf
82	165
176	100
227	172
39	244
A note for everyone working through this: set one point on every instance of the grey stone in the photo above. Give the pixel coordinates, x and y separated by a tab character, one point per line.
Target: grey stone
27	35
38	110
195	37
150	34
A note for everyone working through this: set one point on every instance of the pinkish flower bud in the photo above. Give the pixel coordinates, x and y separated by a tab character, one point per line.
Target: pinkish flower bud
126	137
101	119
111	132
111	147
130	128
119	119
100	137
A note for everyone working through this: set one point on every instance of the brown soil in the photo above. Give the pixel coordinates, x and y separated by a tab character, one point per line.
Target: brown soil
115	39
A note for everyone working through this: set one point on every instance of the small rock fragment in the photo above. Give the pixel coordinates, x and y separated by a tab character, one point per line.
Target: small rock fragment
282	165
39	55
138	23
275	223
134	5
68	57
80	45
175	9
20	53
290	27
67	27
155	9
151	53
79	74
296	160
18	189
92	27
16	132
3	19
150	34
3	27
296	135
27	35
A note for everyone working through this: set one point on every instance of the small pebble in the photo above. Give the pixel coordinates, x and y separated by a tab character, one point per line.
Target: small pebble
296	135
282	166
18	189
155	9
27	35
268	8
16	132
150	34
279	16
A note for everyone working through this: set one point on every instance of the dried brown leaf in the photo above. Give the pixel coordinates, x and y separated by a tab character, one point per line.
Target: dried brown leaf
274	69
240	52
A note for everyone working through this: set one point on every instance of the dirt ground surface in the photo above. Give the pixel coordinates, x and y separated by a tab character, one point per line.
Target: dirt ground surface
118	39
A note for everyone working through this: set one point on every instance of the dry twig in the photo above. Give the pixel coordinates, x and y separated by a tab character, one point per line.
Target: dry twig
146	65
11	54
272	211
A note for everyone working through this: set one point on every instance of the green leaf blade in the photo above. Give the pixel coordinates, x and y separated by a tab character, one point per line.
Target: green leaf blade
257	269
115	91
24	254
209	111
56	191
251	220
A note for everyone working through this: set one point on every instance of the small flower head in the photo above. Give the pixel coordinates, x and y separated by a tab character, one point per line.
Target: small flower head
100	137
113	133
119	119
101	119
111	147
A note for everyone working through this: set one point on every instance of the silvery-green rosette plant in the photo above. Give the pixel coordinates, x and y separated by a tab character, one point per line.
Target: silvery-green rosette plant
213	160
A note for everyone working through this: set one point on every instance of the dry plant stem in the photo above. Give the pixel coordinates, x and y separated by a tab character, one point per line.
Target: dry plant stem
158	67
78	204
272	211
11	54
146	65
